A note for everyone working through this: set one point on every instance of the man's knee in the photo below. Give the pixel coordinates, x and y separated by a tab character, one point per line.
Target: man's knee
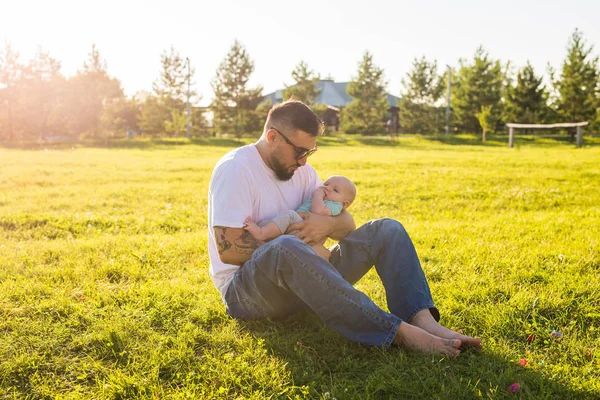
287	242
390	227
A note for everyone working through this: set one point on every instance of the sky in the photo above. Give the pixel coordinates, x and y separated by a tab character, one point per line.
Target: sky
330	36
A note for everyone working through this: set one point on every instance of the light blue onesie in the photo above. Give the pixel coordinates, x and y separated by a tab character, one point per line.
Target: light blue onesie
283	221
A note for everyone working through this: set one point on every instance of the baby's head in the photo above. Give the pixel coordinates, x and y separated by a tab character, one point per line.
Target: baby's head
342	190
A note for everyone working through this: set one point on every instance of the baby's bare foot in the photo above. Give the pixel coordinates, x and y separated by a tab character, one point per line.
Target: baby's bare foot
253	228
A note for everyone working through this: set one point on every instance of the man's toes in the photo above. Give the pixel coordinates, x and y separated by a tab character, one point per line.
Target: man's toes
472	342
451	352
454	343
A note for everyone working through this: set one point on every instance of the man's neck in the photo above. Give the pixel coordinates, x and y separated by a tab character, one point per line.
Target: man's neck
263	150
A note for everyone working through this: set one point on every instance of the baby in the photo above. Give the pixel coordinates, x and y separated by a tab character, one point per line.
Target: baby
336	194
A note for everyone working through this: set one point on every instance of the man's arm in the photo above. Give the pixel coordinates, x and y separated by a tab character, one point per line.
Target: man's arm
343	224
235	245
317	228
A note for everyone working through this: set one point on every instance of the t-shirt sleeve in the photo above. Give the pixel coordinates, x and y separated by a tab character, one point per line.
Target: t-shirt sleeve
232	195
334	206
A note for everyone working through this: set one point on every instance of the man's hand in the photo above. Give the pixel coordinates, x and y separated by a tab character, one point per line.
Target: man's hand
314	229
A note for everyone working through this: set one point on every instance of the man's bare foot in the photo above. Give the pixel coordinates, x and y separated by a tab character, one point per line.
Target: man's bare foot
424	320
415	338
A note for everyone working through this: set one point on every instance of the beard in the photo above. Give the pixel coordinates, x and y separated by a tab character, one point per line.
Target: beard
283	173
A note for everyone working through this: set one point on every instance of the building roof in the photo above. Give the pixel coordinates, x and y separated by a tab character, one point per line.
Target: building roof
332	93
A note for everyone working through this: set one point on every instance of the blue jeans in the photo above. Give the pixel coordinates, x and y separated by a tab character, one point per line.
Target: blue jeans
286	275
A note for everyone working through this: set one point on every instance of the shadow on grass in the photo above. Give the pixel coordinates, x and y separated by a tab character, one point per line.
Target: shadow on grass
403	140
384	141
520	140
325	362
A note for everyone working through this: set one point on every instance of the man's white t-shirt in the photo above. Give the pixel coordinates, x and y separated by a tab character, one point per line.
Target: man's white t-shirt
242	186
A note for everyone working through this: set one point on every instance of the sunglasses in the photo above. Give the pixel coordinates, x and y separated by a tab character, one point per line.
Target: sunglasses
301	152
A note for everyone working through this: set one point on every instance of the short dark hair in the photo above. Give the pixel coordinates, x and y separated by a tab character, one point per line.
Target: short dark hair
294	114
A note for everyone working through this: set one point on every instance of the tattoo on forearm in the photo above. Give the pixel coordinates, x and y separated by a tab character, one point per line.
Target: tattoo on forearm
246	243
222	243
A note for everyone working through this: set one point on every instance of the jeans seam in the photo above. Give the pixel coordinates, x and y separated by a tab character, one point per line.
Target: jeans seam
317	276
390	339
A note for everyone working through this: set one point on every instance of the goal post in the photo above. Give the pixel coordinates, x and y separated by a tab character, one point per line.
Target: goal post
578	125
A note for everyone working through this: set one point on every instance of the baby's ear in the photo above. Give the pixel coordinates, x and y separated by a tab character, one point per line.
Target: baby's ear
345	204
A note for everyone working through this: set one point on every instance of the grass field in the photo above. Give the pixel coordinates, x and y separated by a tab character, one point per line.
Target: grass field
104	287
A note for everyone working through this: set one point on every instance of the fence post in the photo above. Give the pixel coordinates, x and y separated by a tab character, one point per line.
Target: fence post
511	136
579	136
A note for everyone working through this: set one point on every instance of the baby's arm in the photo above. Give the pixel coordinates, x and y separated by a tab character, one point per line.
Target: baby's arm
318	203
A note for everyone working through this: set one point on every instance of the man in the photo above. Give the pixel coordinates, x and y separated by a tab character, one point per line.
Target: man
262	280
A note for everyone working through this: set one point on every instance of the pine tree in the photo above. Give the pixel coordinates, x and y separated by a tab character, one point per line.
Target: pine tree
95	63
478	84
577	88
163	112
234	103
423	88
171	86
366	112
526	102
304	88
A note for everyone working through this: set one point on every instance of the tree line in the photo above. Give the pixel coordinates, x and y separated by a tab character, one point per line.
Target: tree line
37	101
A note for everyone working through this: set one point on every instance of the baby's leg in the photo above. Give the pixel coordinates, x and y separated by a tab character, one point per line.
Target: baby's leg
322	251
266	232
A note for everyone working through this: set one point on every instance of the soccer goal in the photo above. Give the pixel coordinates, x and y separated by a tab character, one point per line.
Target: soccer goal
578	125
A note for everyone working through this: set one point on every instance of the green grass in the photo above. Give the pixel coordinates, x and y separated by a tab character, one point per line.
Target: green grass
104	287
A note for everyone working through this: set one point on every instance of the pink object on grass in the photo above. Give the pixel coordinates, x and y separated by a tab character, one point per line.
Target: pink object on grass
514	388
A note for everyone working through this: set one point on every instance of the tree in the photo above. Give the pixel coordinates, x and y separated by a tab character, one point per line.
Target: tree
41	97
10	74
153	116
176	124
304	88
486	120
478	84
163	112
234	103
527	101
366	112
423	88
89	91
171	85
577	87
120	116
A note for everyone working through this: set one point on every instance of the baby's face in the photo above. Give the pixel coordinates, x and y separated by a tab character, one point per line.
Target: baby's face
341	190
